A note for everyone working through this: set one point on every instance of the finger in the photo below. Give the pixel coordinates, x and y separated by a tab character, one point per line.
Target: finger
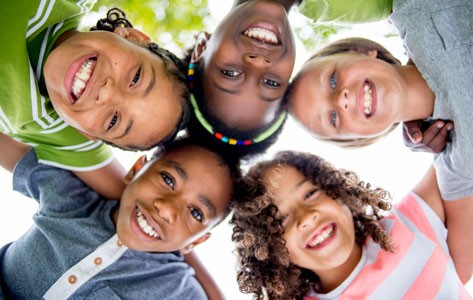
438	143
411	130
430	133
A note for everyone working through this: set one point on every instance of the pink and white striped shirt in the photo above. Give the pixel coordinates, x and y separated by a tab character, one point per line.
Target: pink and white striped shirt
420	268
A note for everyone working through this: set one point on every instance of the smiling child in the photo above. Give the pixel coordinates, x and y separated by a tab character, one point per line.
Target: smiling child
110	84
129	249
308	230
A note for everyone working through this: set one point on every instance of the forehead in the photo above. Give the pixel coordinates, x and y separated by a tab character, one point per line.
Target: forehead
203	172
281	180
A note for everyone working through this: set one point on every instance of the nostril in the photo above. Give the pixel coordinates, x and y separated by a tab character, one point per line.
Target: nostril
252	56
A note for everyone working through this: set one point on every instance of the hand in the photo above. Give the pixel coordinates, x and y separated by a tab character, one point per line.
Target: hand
431	139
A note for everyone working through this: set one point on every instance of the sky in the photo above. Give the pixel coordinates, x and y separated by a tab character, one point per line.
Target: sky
388	164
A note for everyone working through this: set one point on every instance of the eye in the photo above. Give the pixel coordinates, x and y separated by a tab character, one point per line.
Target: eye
310	194
196	214
136	77
113	121
333	80
271	83
168	180
333	118
230	73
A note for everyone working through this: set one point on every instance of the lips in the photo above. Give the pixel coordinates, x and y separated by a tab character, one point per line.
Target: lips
81	78
367	99
321	237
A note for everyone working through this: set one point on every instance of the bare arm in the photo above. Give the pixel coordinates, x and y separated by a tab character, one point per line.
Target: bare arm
108	180
428	190
11	151
457	217
210	286
460	235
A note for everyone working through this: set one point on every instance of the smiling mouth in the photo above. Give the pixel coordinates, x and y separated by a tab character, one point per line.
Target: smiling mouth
81	78
367	99
144	225
262	35
321	237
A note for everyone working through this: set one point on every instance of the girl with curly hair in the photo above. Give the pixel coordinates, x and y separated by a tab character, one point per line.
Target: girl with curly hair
305	229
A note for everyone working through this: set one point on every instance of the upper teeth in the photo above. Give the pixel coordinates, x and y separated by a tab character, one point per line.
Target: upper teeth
262	34
368	99
82	76
144	225
321	237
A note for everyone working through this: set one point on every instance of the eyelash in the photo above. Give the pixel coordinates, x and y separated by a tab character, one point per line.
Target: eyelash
168	180
333	80
136	77
230	73
333	118
310	193
113	121
271	83
199	217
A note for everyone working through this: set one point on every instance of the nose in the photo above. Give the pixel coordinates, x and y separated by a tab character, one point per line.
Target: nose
107	92
257	60
166	211
306	219
343	100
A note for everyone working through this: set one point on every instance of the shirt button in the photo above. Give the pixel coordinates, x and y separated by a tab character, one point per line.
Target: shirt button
119	243
98	261
72	279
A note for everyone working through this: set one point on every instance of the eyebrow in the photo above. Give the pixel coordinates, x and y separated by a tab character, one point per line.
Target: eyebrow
151	83
127	130
233	92
202	199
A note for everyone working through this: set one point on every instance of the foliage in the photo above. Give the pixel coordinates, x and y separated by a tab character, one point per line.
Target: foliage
173	24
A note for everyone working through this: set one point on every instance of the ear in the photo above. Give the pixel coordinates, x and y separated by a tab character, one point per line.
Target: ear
133	35
188	249
90	137
200	46
140	162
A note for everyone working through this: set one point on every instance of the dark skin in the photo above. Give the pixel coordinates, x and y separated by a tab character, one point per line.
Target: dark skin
432	140
286	3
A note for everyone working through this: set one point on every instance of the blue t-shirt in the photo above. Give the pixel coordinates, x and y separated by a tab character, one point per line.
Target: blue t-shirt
73	245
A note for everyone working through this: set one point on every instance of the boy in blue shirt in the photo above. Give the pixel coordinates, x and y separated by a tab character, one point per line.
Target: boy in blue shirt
84	246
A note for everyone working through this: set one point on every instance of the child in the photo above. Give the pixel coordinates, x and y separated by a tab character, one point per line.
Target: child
109	85
309	229
246	64
93	248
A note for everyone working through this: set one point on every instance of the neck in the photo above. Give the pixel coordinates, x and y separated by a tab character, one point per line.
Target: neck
331	279
419	99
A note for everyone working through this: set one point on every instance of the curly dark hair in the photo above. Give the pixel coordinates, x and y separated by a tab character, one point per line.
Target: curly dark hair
264	266
175	67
